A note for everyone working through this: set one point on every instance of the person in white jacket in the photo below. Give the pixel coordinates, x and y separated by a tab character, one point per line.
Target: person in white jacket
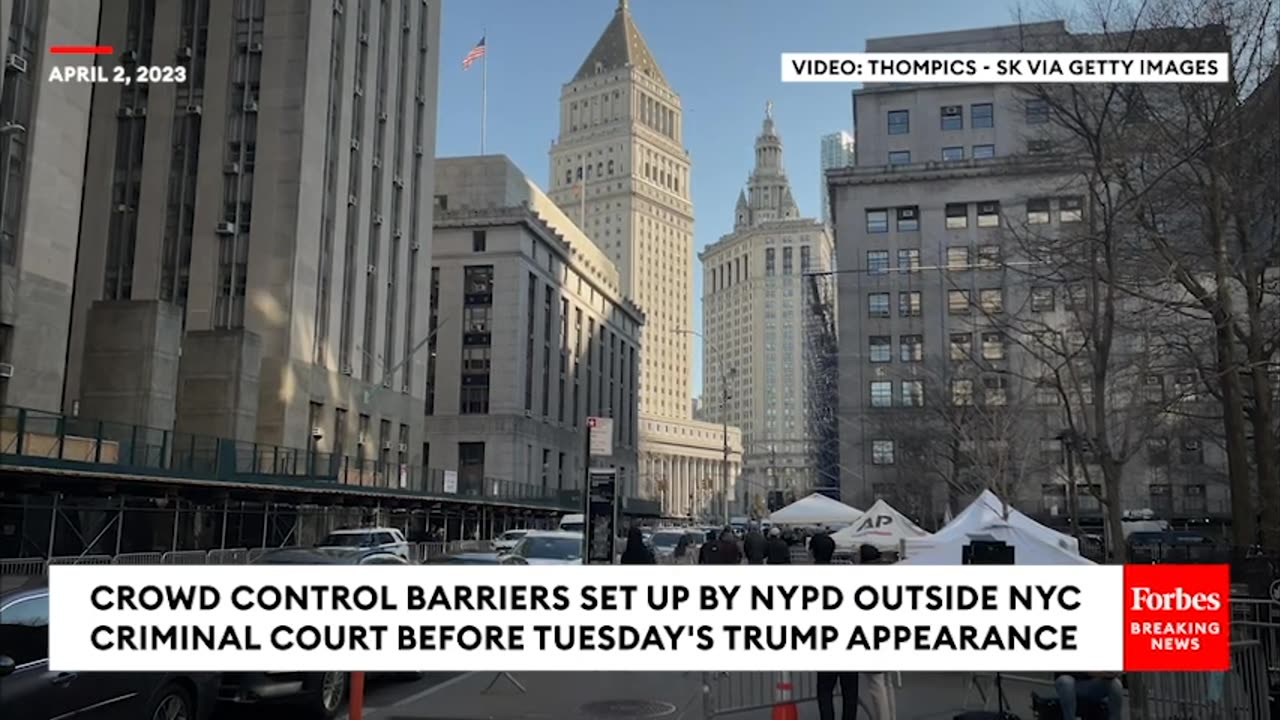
878	695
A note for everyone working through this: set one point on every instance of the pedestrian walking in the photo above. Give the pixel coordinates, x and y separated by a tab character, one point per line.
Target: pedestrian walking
822	548
777	551
729	553
754	546
709	553
879	696
637	553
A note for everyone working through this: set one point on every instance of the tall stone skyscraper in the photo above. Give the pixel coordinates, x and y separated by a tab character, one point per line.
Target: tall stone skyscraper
837	152
620	171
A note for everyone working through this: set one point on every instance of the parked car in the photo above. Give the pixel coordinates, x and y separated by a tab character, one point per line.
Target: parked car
666	541
546	548
507	540
318	695
573	522
469	559
385	539
29	689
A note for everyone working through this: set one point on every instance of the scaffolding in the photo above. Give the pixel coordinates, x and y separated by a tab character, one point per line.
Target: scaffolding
822	375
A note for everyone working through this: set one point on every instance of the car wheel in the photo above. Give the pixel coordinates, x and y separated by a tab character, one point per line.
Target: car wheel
173	702
330	694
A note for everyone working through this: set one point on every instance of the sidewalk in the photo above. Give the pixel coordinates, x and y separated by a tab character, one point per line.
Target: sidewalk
644	696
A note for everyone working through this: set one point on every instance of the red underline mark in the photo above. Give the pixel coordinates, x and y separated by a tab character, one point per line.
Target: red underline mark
81	50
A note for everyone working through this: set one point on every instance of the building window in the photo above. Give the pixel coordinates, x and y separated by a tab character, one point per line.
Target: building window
988	214
961	393
989	257
1038	211
958	257
804	260
1153	389
909	261
908	219
1037	110
877	221
992	346
958	302
913	393
1157	451
1047	394
983	152
899	122
1077	297
911	348
1184	387
961	346
786	261
770	257
881	393
1042	299
957	216
982	115
1071	209
1191	452
900	157
478	239
880	348
909	303
995	390
951	154
991	300
952	117
881	452
470	467
878	305
877	262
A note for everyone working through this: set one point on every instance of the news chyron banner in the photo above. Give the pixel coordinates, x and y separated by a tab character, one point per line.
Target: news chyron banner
639	618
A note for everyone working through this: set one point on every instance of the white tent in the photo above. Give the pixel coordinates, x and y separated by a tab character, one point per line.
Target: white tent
1029	549
988	510
882	526
817	509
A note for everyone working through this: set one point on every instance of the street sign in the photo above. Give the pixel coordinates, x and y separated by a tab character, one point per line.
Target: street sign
451	481
601	429
600	515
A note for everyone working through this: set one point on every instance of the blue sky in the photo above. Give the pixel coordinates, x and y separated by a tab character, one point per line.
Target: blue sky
721	56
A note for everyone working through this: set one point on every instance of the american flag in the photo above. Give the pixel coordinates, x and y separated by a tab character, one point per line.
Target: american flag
476	53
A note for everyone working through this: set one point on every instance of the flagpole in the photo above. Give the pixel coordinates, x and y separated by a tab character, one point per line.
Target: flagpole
484	90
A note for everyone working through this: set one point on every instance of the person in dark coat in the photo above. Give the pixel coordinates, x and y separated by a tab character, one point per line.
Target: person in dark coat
709	553
754	546
637	553
777	551
729	552
823	548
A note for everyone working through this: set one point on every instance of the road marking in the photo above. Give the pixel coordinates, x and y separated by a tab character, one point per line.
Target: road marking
412	698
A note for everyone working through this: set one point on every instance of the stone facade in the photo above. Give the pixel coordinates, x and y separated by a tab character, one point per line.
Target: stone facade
280	198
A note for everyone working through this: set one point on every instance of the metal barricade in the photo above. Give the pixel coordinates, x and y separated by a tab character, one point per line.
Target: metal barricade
740	692
255	553
138	558
22	567
80	560
185	557
229	556
1239	694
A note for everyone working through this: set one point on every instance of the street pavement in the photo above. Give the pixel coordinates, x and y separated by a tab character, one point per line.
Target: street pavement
632	696
382	695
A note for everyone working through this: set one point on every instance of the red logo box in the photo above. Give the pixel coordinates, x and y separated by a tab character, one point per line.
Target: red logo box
1177	618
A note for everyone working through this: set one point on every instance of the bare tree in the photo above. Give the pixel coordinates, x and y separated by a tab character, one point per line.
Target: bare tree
1182	193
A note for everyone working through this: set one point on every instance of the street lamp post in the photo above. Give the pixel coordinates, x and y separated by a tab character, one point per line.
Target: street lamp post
724	422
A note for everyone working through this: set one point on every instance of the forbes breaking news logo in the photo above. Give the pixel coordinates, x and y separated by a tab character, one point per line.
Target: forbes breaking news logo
1177	618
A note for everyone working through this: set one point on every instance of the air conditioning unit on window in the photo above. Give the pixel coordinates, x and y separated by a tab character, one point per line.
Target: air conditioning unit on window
417	150
382	117
125	112
122	208
337	7
415	247
16	63
377	162
129	56
371	269
317	432
195	110
226	228
6	371
352	200
355	144
184	53
231	169
251	106
386	445
364	38
347	370
255	47
377	218
404	447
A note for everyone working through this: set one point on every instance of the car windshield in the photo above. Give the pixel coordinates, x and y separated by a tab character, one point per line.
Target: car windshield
514	534
666	540
549	548
348	540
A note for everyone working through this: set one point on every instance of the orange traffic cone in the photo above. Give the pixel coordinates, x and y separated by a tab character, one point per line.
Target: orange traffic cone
784	706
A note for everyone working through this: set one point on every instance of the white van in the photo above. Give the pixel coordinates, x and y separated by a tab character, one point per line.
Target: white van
573	523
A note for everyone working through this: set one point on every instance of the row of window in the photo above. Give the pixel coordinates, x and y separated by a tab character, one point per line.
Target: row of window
981	116
770	261
956	215
910	302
